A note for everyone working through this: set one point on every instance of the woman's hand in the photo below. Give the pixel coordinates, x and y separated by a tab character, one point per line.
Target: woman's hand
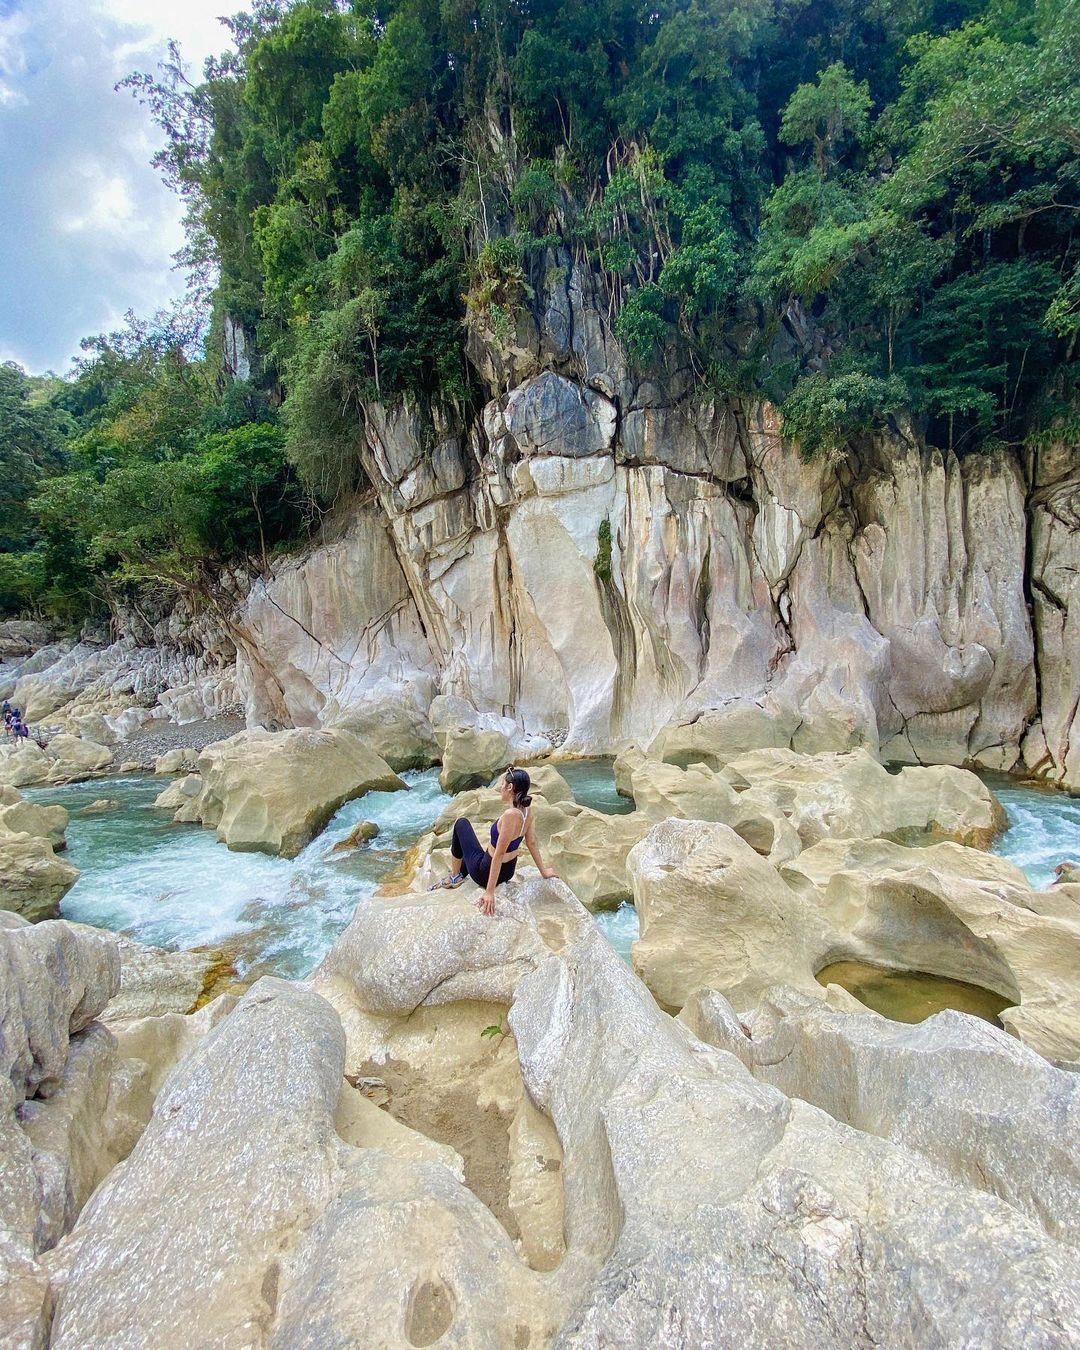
549	874
486	903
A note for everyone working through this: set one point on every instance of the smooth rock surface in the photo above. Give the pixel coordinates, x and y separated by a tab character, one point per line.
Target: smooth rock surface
272	792
967	1096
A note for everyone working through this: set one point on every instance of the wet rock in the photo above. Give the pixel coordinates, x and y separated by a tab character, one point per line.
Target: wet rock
100	806
362	833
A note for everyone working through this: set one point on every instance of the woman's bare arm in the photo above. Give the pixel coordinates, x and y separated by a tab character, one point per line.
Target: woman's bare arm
533	847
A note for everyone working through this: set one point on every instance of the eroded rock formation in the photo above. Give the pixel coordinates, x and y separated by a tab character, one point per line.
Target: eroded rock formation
602	573
481	1131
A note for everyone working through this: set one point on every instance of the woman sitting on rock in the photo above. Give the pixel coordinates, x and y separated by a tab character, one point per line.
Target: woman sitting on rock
491	866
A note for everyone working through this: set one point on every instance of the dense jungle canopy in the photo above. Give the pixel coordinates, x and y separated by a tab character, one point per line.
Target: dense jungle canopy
850	207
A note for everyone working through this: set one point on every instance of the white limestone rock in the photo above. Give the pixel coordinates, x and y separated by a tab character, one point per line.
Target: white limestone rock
183	759
53	982
33	880
967	1096
249	1113
272	792
814	1219
44	822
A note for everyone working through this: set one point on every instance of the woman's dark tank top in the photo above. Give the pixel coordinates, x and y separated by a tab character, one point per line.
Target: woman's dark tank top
514	843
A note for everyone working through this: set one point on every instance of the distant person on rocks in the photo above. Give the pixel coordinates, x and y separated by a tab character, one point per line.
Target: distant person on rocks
22	731
491	865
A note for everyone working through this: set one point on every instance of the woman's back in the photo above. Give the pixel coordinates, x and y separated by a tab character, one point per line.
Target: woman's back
514	844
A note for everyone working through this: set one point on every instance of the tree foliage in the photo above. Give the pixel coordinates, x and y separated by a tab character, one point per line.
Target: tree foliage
855	208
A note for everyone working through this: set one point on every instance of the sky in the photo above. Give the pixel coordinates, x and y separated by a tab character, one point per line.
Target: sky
87	229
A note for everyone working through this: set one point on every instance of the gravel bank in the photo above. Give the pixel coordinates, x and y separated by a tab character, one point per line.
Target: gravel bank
156	738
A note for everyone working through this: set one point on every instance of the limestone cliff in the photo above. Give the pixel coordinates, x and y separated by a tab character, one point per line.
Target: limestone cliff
597	556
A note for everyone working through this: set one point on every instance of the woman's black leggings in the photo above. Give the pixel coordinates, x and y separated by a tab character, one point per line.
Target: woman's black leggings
467	848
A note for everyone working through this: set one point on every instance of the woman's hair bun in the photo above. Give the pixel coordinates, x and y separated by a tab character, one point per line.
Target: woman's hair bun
520	782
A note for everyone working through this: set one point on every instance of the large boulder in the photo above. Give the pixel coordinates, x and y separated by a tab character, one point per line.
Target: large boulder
248	1114
472	756
812	1218
20	637
418	949
333	1244
714	912
63	1116
181	759
181	793
272	792
22	763
65	759
33	880
53	981
661	791
44	822
155	982
954	912
73	759
719	735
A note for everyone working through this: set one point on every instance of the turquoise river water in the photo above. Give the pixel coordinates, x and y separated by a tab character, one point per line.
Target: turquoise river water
175	886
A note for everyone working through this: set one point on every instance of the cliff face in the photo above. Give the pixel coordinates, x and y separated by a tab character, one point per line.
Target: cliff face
599	558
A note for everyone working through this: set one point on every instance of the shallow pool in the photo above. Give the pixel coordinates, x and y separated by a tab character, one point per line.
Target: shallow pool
592	781
911	995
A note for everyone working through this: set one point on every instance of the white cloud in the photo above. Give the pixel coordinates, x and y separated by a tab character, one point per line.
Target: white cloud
88	228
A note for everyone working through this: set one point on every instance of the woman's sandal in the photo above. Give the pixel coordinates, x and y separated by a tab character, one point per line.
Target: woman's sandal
450	882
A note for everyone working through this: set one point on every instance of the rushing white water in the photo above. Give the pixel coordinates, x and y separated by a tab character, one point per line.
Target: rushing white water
176	886
1044	829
